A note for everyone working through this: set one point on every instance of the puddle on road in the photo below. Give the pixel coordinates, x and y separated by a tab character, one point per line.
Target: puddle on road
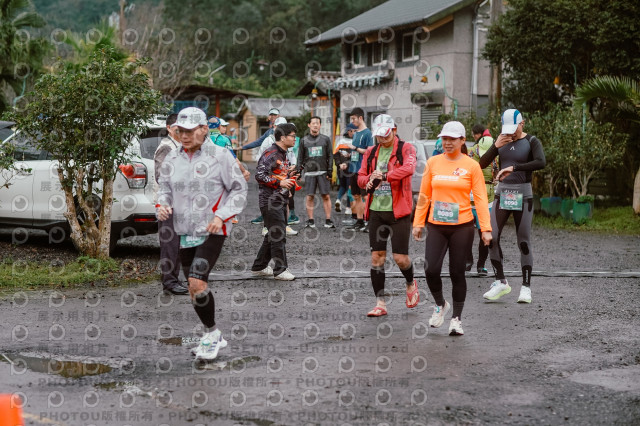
337	338
625	379
180	341
68	369
235	364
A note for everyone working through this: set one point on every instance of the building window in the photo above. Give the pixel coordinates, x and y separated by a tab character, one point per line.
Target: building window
410	47
357	55
428	114
380	53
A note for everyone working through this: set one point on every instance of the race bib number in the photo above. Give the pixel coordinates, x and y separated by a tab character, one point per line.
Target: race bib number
187	241
383	190
445	212
355	156
511	200
315	151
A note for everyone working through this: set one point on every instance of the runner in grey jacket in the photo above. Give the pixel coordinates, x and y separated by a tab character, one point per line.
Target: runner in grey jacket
201	189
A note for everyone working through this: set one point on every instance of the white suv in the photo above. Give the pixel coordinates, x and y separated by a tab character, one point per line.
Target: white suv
35	199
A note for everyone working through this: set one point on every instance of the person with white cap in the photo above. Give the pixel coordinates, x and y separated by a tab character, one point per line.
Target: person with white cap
274	113
520	155
447	182
201	189
385	174
223	127
219	138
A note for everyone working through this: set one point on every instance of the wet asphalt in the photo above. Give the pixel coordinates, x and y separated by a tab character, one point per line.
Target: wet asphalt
304	352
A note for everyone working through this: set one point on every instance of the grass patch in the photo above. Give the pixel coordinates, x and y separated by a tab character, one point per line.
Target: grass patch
609	220
82	271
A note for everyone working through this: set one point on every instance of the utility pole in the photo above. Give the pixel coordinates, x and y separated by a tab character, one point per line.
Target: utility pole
495	91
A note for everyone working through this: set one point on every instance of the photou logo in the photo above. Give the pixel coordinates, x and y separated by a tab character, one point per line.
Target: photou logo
310	365
346	364
383	364
384	330
237	399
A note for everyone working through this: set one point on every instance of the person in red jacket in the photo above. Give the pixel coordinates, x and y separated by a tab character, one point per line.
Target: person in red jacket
385	174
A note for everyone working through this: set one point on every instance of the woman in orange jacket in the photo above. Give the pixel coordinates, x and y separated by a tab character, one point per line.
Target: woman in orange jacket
447	182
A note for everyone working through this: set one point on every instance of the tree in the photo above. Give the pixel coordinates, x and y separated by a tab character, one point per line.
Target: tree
83	46
542	125
583	153
85	119
272	32
20	54
8	169
617	100
539	40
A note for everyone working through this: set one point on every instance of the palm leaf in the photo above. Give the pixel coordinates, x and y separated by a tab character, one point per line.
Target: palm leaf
9	9
618	89
28	19
619	96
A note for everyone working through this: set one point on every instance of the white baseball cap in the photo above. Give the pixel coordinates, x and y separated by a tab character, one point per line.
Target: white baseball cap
280	120
190	118
510	120
224	122
383	125
274	111
453	129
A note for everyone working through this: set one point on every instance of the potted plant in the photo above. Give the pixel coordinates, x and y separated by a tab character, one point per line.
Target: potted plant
566	209
583	209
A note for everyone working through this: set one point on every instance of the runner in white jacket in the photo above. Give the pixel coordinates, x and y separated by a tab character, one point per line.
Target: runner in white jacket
201	188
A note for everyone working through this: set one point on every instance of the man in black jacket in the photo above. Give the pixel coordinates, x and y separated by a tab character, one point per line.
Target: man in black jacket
274	186
316	154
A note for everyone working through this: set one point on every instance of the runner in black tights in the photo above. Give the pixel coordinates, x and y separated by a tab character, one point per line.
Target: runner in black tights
520	155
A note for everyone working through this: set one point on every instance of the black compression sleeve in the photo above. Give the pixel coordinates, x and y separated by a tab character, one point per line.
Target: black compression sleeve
488	156
538	162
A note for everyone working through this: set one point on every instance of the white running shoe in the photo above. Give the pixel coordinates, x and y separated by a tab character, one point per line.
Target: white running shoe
437	318
210	344
497	290
347	211
285	276
291	231
338	205
525	295
264	231
455	327
266	272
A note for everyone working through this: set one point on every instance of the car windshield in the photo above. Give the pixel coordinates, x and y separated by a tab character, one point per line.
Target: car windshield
150	140
5	133
25	148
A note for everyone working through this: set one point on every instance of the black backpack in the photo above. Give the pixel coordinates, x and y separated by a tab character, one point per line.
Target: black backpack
374	153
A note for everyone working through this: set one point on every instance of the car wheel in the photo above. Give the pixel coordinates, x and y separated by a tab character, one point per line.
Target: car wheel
95	204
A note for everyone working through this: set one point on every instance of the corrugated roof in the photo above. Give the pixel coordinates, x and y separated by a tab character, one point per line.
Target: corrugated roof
393	14
287	107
